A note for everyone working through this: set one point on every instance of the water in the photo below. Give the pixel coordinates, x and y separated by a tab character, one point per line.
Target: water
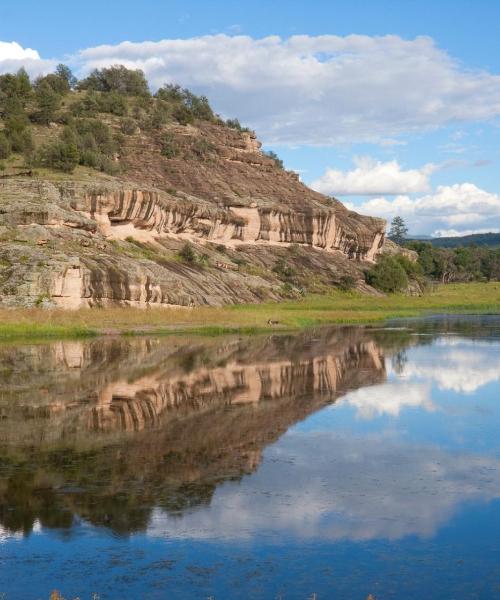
339	462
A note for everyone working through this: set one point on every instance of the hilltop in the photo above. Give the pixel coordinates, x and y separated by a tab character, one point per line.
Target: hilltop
110	195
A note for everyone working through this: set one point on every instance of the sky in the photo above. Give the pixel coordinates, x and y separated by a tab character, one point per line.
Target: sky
392	106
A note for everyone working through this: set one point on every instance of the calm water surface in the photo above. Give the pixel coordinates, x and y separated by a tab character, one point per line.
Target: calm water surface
338	462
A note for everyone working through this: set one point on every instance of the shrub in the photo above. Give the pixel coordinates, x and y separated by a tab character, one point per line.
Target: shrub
21	141
59	155
347	283
277	160
108	166
89	158
113	103
128	126
169	147
388	275
283	269
235	124
5	146
187	253
183	115
202	148
87	106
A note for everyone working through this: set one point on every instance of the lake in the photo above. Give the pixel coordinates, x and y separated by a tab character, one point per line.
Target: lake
332	463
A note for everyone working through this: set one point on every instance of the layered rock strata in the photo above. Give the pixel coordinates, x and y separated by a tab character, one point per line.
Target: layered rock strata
100	240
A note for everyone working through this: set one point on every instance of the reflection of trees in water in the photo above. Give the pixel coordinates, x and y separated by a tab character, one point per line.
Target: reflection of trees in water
398	361
213	406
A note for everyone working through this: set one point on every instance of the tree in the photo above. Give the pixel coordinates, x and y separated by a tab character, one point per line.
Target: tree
47	102
398	230
65	73
116	78
59	155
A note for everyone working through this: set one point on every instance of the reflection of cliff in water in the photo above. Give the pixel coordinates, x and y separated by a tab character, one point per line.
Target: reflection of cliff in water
109	429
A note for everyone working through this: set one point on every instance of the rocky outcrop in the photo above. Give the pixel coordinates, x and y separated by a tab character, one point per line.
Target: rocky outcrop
81	242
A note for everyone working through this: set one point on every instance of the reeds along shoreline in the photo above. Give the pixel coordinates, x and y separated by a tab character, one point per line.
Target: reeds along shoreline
337	307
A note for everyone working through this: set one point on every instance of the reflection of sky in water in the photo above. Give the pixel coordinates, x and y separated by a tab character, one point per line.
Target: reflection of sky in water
394	489
385	461
447	394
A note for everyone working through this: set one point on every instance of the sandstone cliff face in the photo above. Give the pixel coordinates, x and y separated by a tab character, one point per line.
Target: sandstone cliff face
82	242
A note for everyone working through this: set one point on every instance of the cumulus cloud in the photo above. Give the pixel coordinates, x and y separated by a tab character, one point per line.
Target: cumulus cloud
456	207
316	90
371	177
13	56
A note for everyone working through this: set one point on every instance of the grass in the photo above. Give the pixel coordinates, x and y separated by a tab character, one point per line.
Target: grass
336	307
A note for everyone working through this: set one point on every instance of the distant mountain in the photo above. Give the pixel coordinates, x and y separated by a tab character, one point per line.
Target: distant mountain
491	240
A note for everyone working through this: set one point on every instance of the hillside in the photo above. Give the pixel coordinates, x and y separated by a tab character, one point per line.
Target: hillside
109	195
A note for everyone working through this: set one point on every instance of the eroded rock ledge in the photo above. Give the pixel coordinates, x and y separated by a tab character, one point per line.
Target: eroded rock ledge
72	245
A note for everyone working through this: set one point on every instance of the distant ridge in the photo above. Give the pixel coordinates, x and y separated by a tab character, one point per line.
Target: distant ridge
491	240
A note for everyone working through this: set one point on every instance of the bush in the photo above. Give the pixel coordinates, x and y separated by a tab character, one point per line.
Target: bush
187	253
277	160
235	124
108	166
388	275
5	146
169	147
21	141
89	158
113	103
128	126
347	283
183	115
202	148
283	269
59	155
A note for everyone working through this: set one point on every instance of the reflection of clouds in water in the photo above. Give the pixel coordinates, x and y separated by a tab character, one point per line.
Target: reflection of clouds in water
7	535
461	366
325	486
389	398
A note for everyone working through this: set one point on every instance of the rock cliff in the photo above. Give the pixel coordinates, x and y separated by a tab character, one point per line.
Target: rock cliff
255	232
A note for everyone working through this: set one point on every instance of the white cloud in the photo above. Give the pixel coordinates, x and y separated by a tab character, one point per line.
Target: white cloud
449	207
317	89
13	56
389	398
374	177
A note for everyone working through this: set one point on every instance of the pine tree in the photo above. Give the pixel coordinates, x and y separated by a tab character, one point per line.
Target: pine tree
398	230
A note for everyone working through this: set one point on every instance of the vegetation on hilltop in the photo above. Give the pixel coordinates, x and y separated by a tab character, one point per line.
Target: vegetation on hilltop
59	122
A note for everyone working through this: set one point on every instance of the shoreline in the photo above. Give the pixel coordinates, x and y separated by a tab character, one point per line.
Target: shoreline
337	308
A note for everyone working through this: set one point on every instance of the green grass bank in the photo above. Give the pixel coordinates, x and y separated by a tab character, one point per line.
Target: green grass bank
337	307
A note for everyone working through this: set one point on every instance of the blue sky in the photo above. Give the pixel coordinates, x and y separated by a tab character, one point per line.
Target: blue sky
360	104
